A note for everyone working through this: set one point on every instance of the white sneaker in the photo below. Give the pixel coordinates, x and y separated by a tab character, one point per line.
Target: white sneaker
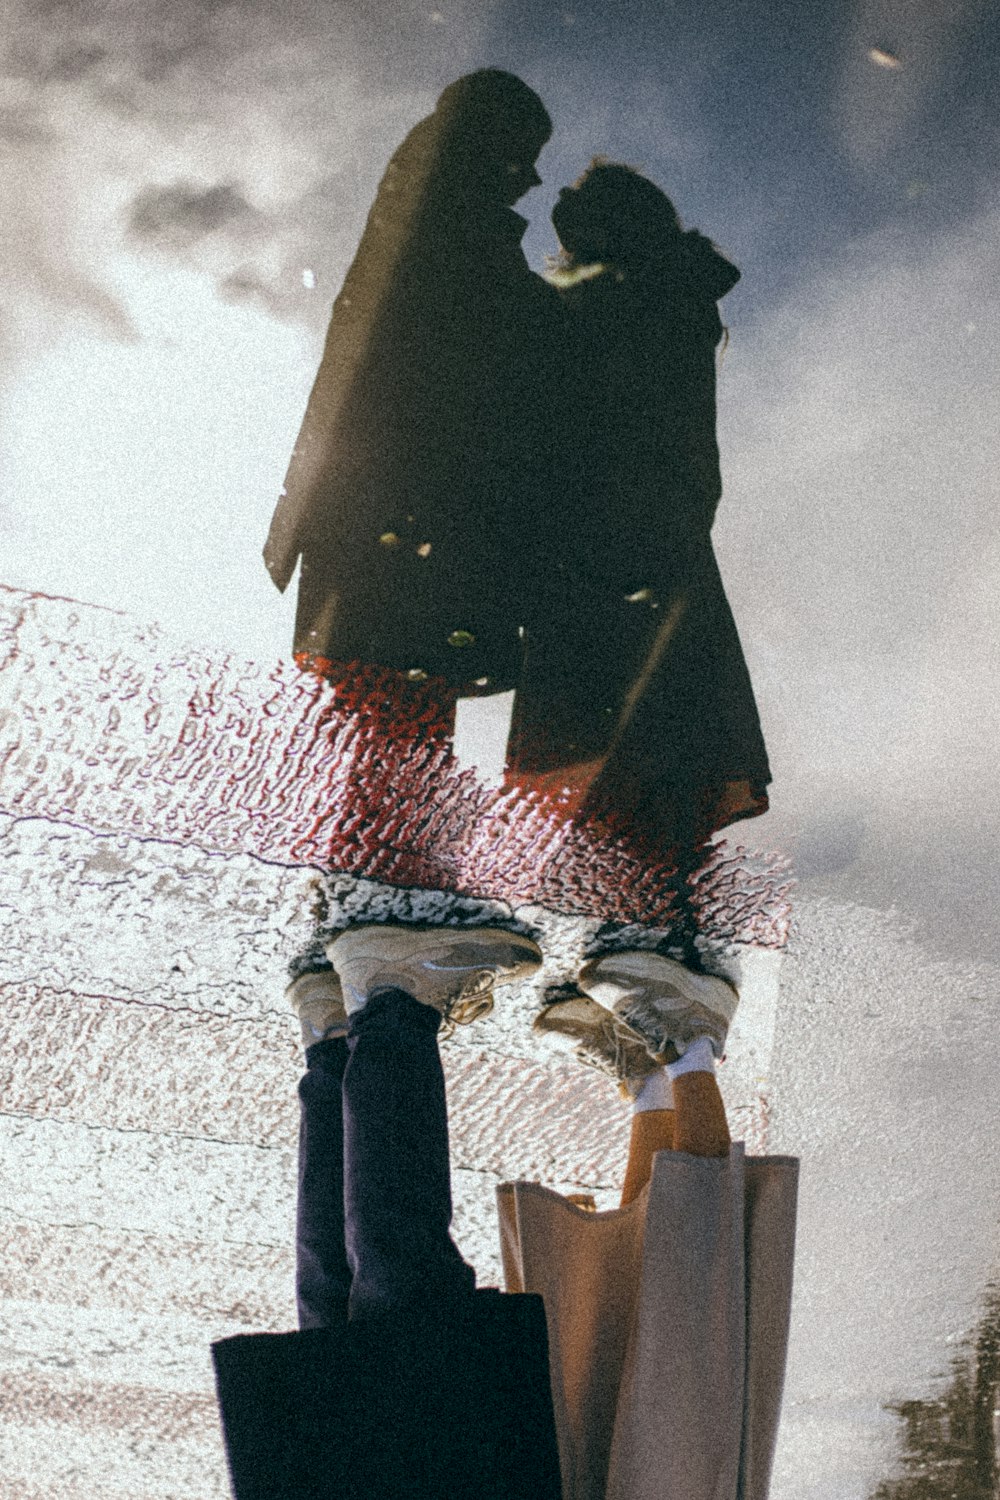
662	1001
451	969
317	999
596	1037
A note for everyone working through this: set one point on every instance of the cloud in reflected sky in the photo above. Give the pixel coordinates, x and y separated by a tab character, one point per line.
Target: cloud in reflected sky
180	215
184	188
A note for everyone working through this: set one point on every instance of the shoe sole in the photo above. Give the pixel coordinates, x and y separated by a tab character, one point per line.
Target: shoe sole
543	1027
511	954
317	999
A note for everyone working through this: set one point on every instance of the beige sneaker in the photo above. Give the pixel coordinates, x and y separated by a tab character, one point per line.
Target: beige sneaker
660	1000
596	1038
318	1000
452	969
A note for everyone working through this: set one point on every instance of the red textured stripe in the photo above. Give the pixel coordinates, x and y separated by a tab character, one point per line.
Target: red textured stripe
116	729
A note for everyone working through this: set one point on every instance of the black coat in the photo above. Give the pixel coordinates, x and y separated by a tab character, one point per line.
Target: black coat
426	1407
416	473
633	658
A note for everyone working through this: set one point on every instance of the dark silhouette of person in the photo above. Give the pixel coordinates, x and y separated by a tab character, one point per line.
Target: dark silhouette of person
417	464
635	689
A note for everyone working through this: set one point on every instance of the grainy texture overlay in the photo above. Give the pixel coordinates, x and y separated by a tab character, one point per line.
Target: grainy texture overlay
161	870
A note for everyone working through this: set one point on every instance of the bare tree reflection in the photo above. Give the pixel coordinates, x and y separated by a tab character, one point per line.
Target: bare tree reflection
949	1445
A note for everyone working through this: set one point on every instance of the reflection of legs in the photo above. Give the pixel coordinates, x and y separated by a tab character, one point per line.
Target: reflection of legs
398	1184
398	984
652	1131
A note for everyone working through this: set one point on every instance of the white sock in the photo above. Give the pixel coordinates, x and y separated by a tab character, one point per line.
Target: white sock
354	1000
698	1058
313	1033
653	1093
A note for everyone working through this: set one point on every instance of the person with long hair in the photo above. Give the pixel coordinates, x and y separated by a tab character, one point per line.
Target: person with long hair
634	693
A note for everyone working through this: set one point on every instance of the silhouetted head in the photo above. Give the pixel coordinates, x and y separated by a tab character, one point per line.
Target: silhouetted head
615	215
492	128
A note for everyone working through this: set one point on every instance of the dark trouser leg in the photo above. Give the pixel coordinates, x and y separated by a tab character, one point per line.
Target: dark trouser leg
322	1275
397	1172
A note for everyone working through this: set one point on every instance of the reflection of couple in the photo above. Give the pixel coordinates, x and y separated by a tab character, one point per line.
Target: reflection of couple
500	486
438	534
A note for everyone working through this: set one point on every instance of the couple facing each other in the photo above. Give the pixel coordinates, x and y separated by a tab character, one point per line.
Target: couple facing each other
503	481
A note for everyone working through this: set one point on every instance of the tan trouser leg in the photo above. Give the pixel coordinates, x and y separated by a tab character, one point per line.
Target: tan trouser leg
700	1126
652	1131
696	1125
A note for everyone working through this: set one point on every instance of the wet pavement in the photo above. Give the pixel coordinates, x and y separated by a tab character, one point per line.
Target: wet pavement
149	1120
